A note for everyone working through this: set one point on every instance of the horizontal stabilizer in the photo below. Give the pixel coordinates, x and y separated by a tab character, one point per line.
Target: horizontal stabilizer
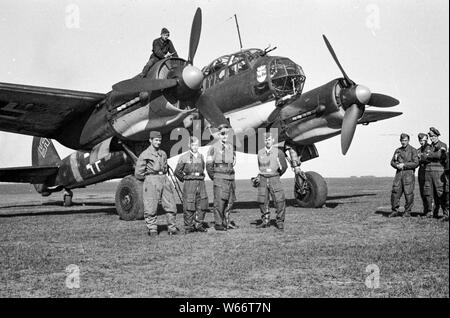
34	175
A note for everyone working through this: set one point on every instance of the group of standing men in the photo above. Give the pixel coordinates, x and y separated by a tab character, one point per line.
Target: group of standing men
433	162
151	167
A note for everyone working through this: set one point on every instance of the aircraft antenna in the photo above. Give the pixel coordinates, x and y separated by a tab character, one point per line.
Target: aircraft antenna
239	33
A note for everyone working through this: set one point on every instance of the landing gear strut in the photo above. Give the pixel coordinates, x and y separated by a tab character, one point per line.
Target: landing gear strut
310	190
67	197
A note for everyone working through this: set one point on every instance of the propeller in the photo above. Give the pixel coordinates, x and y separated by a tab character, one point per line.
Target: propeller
352	114
196	30
380	100
209	109
333	54
355	97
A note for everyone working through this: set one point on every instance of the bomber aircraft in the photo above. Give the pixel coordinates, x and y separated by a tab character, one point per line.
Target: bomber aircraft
249	89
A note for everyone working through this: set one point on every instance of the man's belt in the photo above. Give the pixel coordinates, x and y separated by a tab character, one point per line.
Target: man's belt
195	174
156	173
223	165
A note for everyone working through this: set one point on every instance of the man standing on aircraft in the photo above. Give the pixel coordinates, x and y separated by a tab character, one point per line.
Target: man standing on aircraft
434	173
151	167
405	161
423	153
162	48
272	165
220	163
191	170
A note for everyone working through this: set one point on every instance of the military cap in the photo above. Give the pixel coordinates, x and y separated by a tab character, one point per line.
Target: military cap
434	132
155	134
403	135
223	126
421	135
164	31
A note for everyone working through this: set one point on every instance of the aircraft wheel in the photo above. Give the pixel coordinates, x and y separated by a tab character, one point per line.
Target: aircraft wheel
315	193
68	198
129	203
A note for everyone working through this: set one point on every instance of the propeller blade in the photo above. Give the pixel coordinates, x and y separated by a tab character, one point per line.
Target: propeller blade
380	100
209	109
333	54
139	84
352	114
195	34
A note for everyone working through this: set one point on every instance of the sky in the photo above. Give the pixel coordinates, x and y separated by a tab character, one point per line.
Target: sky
395	47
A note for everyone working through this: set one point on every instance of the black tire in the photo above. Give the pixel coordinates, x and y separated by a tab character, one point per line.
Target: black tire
316	193
129	203
67	200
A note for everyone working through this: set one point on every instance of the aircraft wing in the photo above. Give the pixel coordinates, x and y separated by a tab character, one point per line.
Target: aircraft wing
41	111
34	175
371	116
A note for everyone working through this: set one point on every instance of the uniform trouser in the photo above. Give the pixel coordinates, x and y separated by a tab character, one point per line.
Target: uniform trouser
223	194
195	203
403	183
151	61
434	191
421	179
446	194
230	204
271	186
159	188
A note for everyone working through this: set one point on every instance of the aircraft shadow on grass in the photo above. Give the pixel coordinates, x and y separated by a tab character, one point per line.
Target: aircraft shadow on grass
242	205
109	207
105	207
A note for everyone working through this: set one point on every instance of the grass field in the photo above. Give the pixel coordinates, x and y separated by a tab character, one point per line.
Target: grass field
321	253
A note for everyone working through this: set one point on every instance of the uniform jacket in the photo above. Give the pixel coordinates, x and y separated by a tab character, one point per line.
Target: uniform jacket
161	47
220	161
437	157
190	167
272	163
407	156
150	161
423	153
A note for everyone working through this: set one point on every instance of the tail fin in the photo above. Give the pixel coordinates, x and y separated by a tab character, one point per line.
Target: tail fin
43	153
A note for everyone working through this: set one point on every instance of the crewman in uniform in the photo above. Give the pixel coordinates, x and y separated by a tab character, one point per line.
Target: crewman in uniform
423	153
272	165
434	173
151	167
220	162
404	161
446	187
162	48
191	170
